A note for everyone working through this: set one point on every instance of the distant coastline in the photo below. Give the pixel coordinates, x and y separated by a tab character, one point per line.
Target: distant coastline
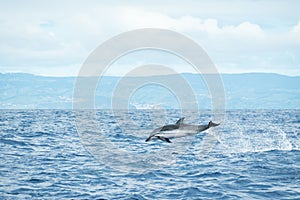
243	91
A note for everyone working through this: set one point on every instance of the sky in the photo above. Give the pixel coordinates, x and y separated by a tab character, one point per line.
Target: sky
54	38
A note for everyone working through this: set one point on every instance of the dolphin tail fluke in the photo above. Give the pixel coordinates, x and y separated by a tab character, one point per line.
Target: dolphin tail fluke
211	124
164	139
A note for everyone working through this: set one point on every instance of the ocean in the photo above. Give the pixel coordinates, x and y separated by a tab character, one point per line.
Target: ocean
63	154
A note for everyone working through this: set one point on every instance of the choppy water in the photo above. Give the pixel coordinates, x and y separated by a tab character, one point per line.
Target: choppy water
251	155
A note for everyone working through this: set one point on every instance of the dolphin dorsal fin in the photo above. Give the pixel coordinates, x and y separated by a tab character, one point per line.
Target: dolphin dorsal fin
180	121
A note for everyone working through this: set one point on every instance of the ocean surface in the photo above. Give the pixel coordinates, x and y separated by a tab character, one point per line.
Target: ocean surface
65	154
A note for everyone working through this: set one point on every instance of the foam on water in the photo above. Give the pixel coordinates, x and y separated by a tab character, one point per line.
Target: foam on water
258	136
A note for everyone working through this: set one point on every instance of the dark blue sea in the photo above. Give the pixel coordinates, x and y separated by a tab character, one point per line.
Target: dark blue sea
65	154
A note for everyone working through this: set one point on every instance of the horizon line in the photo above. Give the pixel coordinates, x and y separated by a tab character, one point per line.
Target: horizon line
144	75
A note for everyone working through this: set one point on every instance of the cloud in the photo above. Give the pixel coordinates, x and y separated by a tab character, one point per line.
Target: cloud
296	28
295	34
52	39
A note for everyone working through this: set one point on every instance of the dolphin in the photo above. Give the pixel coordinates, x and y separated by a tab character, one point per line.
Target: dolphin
179	129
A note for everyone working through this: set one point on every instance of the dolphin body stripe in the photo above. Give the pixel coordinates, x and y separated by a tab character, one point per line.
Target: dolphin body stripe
179	129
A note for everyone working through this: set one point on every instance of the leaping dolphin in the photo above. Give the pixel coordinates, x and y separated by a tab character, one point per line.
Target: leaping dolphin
179	129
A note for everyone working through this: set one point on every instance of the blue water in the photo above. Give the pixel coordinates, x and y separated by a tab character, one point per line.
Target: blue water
48	154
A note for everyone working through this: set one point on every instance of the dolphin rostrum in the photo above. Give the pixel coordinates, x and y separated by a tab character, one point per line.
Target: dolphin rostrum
179	129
